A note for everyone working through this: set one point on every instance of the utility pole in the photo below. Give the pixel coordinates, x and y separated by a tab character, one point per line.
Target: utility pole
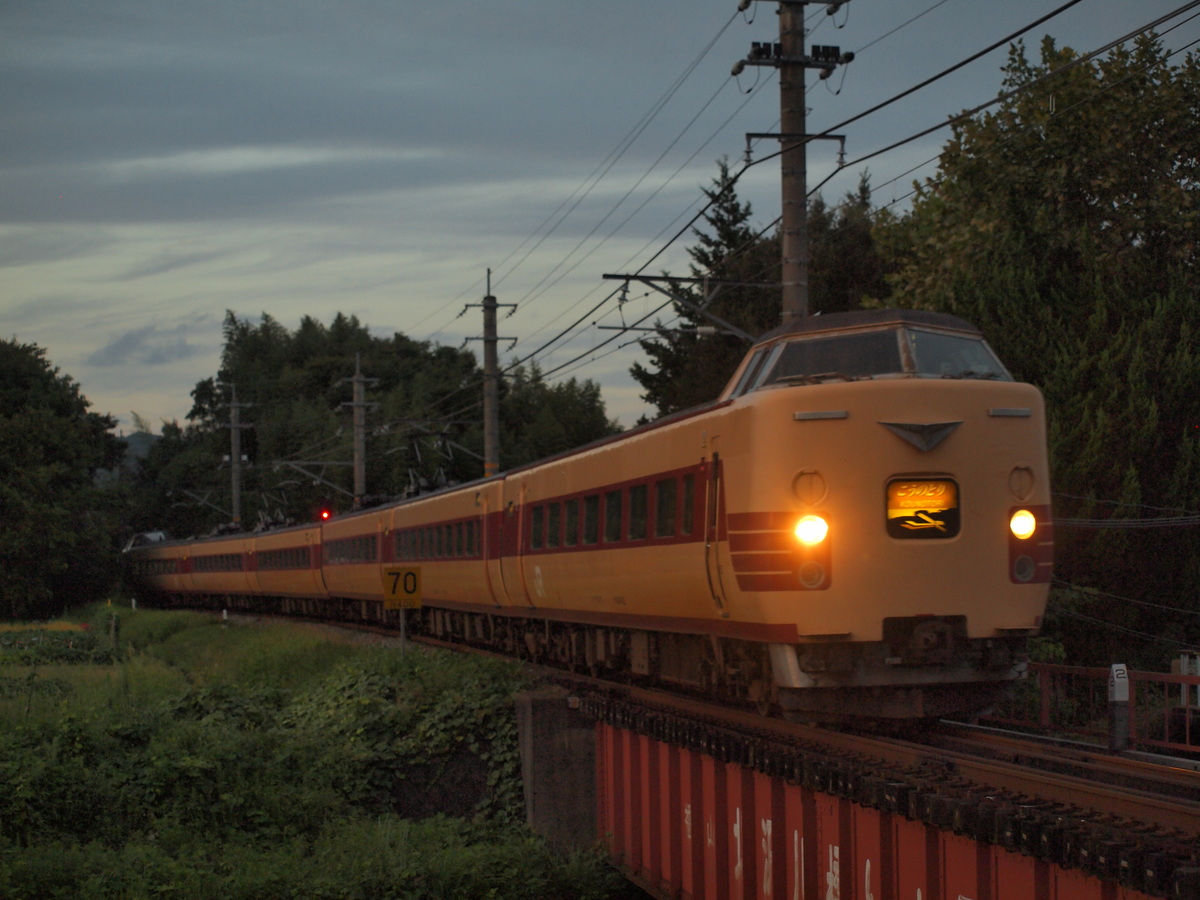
359	409
491	381
235	452
789	58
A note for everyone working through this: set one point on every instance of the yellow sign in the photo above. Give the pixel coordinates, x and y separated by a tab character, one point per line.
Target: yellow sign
401	587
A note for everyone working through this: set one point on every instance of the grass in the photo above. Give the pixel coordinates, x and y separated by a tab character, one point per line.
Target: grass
195	758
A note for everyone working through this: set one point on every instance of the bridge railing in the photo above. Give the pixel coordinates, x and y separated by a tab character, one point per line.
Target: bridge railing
1073	702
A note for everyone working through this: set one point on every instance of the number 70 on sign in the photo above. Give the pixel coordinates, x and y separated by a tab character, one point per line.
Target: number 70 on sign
401	587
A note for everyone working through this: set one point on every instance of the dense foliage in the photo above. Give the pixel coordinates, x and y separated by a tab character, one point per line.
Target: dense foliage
294	390
56	526
260	762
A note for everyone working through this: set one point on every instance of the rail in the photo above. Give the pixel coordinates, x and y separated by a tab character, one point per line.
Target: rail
1073	701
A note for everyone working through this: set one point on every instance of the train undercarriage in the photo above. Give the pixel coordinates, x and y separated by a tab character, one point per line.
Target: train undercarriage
897	679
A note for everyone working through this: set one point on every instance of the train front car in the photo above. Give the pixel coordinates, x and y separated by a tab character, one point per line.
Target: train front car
886	490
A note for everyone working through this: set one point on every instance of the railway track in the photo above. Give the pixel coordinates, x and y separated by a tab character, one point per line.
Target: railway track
964	762
1129	818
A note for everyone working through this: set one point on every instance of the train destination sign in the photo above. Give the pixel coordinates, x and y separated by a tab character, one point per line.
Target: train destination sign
922	508
401	587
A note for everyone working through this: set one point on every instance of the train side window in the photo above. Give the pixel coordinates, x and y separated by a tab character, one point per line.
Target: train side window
689	503
638	512
591	519
469	537
612	517
458	538
571	529
665	497
539	527
553	524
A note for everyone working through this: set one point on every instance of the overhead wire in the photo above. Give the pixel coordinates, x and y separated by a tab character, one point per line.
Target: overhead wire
585	188
696	216
944	73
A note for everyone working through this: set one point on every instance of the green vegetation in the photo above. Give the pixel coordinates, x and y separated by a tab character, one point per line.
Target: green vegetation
201	759
58	540
425	424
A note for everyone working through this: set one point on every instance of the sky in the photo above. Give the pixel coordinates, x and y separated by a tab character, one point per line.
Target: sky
162	162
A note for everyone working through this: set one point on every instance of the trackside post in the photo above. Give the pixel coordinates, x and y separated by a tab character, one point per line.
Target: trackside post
1118	708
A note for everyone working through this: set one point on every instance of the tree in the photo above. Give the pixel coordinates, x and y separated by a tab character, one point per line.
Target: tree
1089	169
1063	224
57	544
688	368
539	419
424	424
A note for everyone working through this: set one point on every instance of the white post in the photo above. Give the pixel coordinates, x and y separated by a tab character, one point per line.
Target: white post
1118	707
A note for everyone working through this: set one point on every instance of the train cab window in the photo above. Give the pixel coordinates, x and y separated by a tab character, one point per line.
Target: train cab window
591	519
665	492
538	527
895	351
553	524
612	517
843	357
638	512
571	529
750	374
689	504
954	356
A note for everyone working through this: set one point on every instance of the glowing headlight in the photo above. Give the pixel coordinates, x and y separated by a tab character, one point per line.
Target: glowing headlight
811	530
1022	524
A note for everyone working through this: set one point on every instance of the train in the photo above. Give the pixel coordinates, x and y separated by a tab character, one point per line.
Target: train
858	527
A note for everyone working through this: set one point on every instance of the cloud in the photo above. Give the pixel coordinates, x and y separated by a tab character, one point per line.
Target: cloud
145	346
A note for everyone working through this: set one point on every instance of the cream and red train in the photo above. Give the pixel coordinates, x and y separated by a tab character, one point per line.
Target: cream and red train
859	526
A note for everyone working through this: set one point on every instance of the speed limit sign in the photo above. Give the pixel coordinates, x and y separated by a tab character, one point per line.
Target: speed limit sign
401	587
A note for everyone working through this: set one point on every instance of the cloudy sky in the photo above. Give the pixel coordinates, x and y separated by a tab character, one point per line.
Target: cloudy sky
162	162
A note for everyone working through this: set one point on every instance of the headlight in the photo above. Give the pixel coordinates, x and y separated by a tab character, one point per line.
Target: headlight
811	530
1022	524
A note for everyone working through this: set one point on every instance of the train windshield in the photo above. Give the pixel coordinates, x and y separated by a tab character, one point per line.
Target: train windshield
954	356
892	352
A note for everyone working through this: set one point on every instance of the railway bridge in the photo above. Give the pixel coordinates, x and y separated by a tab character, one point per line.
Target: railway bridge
692	805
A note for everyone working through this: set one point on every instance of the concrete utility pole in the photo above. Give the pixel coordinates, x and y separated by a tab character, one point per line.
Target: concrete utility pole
235	452
491	381
359	408
789	57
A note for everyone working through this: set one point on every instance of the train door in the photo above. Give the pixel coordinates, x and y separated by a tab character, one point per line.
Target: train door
519	544
713	512
490	552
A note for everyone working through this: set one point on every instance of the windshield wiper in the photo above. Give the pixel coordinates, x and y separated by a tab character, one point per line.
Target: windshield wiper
820	377
973	373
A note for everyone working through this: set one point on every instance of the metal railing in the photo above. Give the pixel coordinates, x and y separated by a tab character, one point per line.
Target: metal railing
1074	702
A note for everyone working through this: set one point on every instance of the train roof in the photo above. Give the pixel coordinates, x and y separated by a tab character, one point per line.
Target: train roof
868	318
